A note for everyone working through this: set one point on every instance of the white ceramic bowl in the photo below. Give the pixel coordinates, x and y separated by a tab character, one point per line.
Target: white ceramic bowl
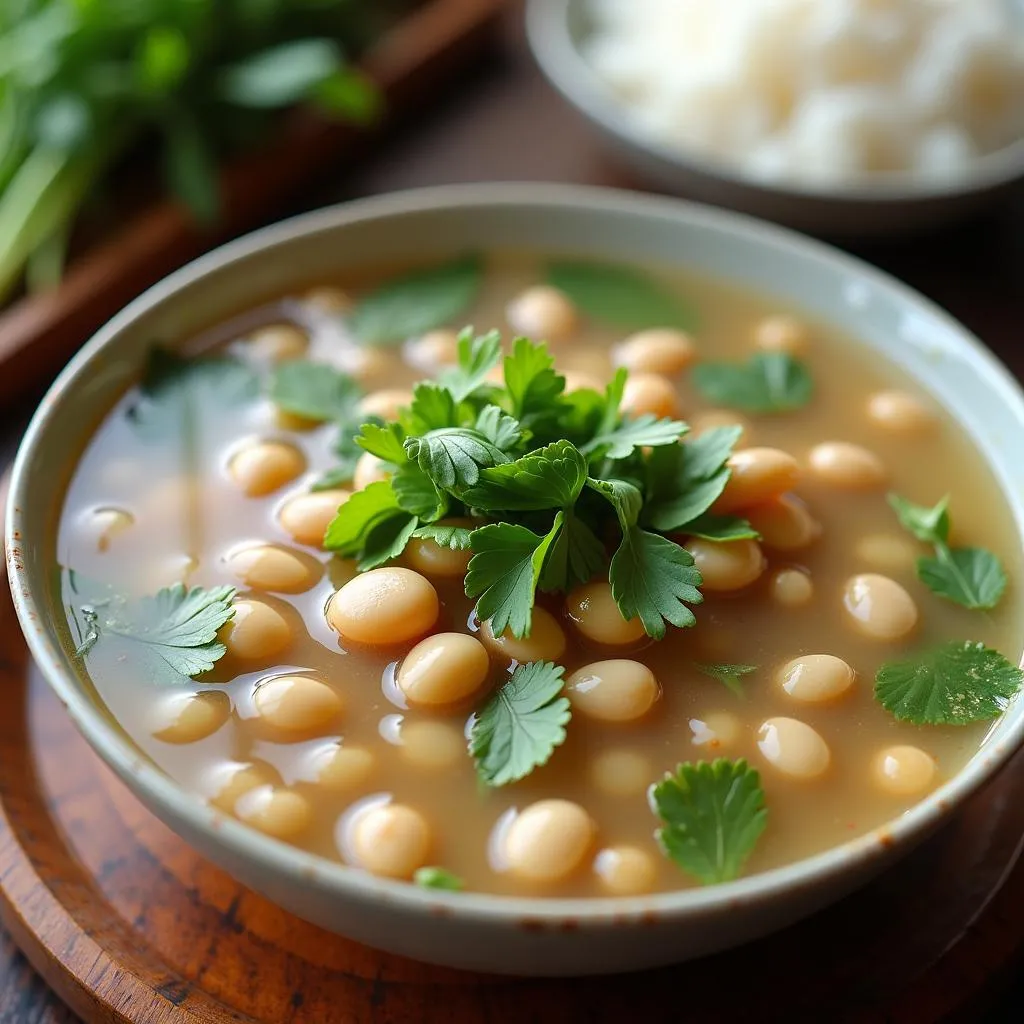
886	205
494	933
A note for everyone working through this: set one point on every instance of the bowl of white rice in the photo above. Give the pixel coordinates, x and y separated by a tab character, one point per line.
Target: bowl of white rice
851	117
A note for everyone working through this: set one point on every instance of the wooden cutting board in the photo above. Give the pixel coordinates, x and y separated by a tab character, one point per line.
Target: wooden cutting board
128	924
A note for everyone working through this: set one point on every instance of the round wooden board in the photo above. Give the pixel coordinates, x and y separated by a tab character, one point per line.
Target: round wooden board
127	923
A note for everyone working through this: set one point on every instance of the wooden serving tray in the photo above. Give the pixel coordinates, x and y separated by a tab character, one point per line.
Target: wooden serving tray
128	924
410	64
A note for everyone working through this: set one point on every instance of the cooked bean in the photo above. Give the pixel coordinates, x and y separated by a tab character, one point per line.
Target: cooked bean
281	813
341	767
390	840
548	840
793	748
386	404
297	704
369	470
613	691
266	466
546	641
307	516
625	870
792	588
900	412
107	523
649	393
727	566
758	475
781	334
433	559
904	771
384	606
233	780
274	568
278	342
443	669
888	551
592	360
327	299
621	772
656	350
879	607
577	381
813	678
716	730
596	615
376	368
256	631
542	313
434	350
846	466
784	523
190	717
712	419
431	744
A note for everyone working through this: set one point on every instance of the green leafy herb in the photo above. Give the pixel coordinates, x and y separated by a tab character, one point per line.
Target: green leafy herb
713	814
520	727
971	577
166	639
721	529
645	431
364	511
766	383
455	537
417	302
313	391
550	477
386	441
438	878
534	389
961	682
477	357
282	75
623	296
728	675
453	456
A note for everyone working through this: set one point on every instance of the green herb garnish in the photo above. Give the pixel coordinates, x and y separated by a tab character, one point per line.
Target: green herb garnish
314	391
522	724
166	639
713	814
961	682
417	302
971	577
766	383
623	296
728	675
438	878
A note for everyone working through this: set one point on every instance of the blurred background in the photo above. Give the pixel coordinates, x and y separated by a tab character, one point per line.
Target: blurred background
135	134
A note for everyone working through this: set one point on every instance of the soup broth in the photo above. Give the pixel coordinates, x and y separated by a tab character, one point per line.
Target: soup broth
178	494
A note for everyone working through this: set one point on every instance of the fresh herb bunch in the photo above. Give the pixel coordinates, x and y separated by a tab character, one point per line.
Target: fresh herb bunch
83	81
562	486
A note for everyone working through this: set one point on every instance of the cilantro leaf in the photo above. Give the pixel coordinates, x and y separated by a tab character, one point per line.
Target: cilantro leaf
313	391
166	639
623	496
684	481
416	493
499	428
454	456
651	578
550	477
620	295
504	571
534	389
417	302
575	556
766	383
645	431
433	408
521	725
960	682
928	524
437	878
721	528
728	675
455	537
477	357
713	814
385	440
364	510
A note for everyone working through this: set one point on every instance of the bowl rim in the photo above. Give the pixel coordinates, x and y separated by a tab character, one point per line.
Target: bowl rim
281	859
559	57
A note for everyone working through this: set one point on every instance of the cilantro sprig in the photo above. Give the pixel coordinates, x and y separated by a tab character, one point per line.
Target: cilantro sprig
971	577
771	382
561	488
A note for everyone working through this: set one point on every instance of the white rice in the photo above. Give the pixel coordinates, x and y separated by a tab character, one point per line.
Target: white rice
818	91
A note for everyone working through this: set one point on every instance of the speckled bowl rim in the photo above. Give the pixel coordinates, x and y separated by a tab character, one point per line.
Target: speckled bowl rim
559	57
308	869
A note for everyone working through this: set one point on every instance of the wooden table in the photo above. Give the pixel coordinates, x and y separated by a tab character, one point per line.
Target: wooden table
506	124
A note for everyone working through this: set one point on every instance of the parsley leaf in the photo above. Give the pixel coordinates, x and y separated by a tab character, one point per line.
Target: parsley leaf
454	456
713	814
417	302
961	682
499	428
415	493
504	571
766	383
455	537
477	357
313	391
437	878
386	540
728	675
651	578
534	389
166	639
550	477
645	431
522	724
385	440
721	529
971	577
620	295
575	556
349	529
433	408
